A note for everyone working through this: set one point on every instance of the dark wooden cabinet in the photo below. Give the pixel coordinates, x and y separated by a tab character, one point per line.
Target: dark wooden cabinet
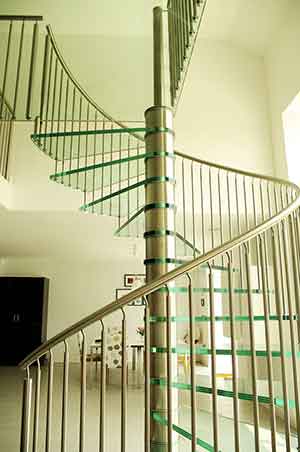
23	316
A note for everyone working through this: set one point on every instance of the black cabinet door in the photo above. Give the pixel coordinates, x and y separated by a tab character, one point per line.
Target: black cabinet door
23	314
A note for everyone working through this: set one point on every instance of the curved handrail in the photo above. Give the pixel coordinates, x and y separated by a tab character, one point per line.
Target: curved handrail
173	274
78	86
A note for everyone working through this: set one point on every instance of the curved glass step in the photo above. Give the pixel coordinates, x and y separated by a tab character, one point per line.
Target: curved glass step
226	392
221	318
199	350
101	175
135	227
204	429
121	203
73	144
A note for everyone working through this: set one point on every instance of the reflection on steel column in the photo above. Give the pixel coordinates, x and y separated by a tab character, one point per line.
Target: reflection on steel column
160	258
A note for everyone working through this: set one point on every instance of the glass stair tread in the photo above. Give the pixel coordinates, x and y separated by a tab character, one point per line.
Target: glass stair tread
204	431
200	350
101	175
223	318
224	388
120	203
68	145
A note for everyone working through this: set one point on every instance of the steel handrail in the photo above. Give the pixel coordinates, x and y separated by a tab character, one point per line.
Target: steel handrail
79	87
165	279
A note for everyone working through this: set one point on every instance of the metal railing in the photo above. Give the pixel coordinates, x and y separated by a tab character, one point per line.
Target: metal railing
18	58
184	20
6	124
271	245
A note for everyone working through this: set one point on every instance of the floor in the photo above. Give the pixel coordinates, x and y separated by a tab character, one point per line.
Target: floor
10	410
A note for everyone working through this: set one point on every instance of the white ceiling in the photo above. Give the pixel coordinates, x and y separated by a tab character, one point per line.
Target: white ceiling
251	24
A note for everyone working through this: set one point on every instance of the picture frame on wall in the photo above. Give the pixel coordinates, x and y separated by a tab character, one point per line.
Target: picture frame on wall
131	279
122	291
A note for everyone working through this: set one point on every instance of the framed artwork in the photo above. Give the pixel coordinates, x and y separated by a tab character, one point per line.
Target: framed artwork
130	279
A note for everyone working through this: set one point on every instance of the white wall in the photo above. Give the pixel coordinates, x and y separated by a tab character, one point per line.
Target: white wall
283	72
77	289
223	114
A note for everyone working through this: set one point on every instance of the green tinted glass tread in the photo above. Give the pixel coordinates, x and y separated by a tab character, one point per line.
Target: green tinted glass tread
163	421
224	393
101	175
185	350
223	318
119	203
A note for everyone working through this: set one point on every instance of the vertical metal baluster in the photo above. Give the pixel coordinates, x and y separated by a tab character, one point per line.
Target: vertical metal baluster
124	384
3	137
192	366
287	270
213	358
86	151
64	416
183	204
79	139
295	273
220	212
253	350
102	161
238	229
169	371
180	37
235	388
48	99
31	80
18	70
190	8
211	210
202	210
44	81
195	9
26	412
7	147
175	47
267	339
82	415
65	123
193	209
37	407
229	207
94	159
72	130
256	239
147	376
184	25
102	390
53	104
6	68
179	57
183	39
120	180
110	173
128	175
58	117
278	301
246	205
49	403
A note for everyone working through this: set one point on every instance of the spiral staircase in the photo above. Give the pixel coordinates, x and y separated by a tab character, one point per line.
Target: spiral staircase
227	270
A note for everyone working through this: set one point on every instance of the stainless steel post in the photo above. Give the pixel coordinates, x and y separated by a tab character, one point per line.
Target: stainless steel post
160	256
26	408
158	59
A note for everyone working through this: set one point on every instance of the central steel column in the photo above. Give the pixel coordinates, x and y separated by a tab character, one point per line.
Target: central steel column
160	240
